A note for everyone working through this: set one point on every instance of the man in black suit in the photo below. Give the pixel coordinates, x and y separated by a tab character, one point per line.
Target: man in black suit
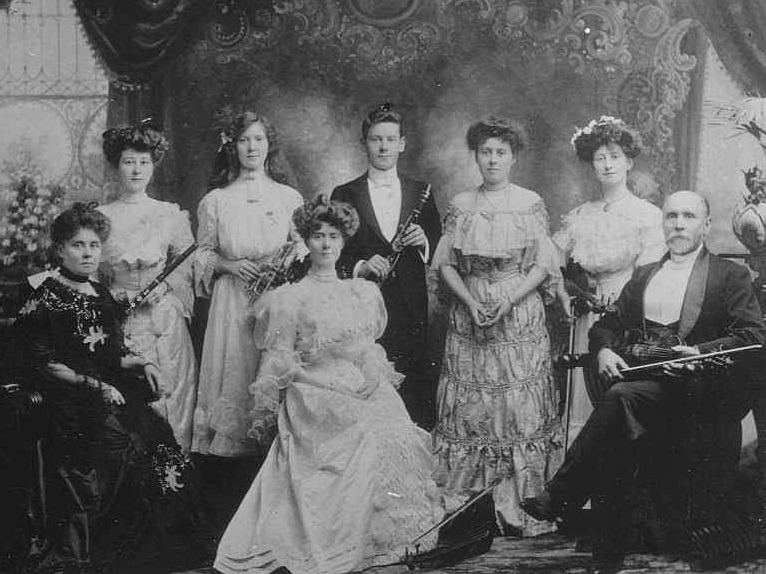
692	302
384	200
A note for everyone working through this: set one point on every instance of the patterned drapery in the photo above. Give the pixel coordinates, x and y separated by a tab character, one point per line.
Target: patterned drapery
135	37
737	29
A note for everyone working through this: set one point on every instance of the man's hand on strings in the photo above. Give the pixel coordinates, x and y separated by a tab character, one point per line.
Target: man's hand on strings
610	365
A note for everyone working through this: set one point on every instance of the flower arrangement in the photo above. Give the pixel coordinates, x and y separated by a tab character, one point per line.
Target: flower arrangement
749	117
603	121
24	237
755	181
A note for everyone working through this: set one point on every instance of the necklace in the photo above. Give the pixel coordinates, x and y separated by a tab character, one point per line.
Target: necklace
76	283
323	277
66	273
485	193
133	199
608	204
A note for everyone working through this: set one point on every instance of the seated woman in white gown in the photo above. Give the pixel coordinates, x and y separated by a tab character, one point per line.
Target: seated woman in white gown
347	483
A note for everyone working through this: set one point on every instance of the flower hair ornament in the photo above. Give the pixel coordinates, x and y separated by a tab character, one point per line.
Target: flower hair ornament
224	122
593	125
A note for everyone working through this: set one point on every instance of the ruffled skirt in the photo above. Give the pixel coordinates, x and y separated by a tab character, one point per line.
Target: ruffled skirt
497	401
160	334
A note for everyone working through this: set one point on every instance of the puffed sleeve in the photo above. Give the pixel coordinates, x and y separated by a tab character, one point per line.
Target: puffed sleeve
181	280
564	238
653	245
207	255
543	252
274	333
445	252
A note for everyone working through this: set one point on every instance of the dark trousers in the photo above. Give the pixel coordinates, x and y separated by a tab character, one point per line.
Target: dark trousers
678	440
605	449
407	348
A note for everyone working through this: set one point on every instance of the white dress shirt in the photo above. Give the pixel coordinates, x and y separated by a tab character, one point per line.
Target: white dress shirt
386	196
664	295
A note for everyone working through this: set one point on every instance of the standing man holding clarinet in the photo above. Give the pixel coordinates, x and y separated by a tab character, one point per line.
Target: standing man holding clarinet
399	226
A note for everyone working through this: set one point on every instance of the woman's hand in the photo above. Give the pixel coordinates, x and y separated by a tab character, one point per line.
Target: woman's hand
366	389
155	378
478	313
497	312
157	294
242	268
111	395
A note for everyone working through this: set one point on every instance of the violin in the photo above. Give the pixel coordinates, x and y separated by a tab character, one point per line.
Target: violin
644	357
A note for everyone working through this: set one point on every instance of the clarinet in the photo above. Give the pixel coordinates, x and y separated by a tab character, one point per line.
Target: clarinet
412	218
169	268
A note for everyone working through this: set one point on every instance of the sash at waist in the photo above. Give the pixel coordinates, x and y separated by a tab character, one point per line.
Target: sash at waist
493	270
134	279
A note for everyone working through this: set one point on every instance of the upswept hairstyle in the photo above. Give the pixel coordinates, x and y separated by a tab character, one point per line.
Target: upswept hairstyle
79	216
144	137
384	113
604	131
505	130
312	214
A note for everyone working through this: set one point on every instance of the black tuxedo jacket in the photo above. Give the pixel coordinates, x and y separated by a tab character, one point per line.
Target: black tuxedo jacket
720	310
404	291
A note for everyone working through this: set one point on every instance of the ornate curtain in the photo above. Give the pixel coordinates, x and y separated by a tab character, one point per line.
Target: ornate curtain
737	29
134	38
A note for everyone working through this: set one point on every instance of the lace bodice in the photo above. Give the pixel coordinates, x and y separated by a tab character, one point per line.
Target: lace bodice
511	227
145	234
626	234
326	329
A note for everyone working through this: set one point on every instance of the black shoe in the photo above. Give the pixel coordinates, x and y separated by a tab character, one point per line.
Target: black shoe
541	507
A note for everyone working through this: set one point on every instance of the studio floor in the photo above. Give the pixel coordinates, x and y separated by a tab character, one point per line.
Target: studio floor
555	553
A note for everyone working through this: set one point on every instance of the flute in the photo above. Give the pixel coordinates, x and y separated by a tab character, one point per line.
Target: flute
169	268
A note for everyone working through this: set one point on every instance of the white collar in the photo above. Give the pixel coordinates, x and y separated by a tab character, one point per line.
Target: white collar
380	177
685	260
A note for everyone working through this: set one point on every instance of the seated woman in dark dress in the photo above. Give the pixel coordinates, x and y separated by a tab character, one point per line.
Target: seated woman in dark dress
114	477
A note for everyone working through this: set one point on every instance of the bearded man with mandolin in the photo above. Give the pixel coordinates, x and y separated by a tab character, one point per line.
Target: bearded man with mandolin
674	427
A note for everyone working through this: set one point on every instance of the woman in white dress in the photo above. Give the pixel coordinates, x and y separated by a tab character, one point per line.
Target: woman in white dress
347	482
241	227
608	236
146	234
